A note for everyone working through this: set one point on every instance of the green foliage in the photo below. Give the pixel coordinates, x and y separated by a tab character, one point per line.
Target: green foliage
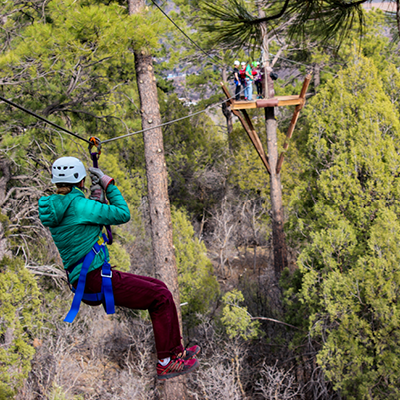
236	319
192	147
119	257
58	393
296	313
236	23
76	66
6	393
247	170
197	283
347	213
20	319
361	354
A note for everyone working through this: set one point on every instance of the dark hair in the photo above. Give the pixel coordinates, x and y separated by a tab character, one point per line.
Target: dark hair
64	188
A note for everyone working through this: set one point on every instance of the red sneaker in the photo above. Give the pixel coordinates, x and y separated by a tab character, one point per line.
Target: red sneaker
177	366
191	352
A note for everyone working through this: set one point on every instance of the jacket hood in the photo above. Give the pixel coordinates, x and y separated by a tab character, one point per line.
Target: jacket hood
53	208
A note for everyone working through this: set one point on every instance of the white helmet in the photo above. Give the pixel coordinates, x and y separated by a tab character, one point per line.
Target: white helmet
237	62
67	170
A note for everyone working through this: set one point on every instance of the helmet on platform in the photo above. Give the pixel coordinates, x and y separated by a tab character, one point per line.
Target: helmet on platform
67	170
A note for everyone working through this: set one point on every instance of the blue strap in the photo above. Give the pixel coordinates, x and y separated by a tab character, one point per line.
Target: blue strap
106	288
95	297
80	289
106	294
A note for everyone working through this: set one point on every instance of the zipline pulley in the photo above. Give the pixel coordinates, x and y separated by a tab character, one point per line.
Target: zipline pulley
95	142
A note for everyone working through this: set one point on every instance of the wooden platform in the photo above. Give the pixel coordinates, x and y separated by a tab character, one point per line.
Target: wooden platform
239	109
274	102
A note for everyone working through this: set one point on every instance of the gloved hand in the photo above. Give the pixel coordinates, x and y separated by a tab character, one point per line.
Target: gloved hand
97	193
98	177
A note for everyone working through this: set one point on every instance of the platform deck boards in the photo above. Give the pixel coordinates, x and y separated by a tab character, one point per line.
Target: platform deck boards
282	101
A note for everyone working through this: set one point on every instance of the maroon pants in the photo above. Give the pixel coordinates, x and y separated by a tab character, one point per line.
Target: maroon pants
145	293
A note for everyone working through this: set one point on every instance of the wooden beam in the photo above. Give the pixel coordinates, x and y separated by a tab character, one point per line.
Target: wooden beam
290	102
256	141
227	94
267	103
243	105
293	122
280	101
290	97
248	127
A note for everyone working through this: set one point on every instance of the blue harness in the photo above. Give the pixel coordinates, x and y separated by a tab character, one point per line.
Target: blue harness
106	295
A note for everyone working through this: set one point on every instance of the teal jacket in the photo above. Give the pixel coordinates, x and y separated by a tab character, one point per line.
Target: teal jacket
76	223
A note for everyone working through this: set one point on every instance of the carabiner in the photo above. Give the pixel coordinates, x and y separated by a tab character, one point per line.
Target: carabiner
95	142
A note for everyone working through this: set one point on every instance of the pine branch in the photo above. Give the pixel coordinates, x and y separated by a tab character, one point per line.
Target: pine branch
233	23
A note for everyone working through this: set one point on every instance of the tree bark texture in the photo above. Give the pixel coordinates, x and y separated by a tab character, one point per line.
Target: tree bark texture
5	176
278	235
227	113
229	123
317	76
157	186
3	242
157	180
135	6
398	15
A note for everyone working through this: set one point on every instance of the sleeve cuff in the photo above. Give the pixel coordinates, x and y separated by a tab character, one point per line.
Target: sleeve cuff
105	181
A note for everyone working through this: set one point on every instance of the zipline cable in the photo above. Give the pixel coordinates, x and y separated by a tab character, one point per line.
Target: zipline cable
146	129
310	67
170	122
42	118
116	138
188	37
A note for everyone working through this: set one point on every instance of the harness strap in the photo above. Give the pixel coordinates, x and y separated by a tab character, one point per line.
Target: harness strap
106	295
106	288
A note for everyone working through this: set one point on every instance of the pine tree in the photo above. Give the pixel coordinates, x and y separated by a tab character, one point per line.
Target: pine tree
198	285
347	211
19	321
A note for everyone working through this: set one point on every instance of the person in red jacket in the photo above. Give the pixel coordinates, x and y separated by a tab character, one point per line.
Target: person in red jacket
76	224
242	75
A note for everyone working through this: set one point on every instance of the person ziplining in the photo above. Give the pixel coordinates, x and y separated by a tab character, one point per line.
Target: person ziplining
76	224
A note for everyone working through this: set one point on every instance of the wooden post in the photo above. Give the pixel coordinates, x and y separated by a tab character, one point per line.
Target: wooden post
248	127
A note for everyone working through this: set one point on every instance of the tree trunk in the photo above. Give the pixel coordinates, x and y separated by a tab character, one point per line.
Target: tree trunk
227	113
157	185
3	240
317	76
278	235
157	181
5	176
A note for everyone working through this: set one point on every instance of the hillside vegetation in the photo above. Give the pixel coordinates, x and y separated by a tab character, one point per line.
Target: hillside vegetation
328	328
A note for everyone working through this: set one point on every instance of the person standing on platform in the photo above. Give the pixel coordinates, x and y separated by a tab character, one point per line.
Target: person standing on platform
242	75
258	78
236	77
248	92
